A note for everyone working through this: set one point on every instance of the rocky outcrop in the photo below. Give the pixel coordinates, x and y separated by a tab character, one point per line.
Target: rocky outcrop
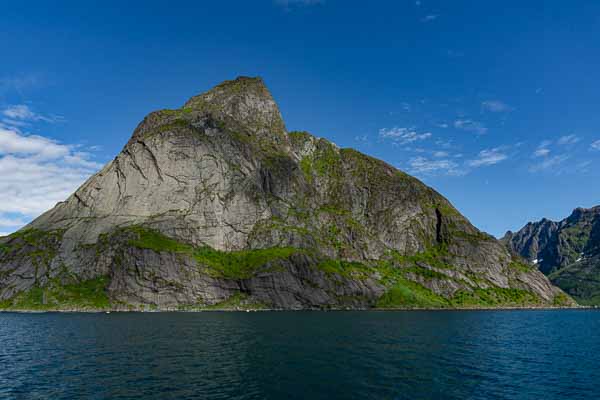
567	251
217	205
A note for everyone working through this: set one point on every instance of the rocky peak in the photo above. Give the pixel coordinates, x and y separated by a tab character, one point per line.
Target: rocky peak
244	104
557	246
215	202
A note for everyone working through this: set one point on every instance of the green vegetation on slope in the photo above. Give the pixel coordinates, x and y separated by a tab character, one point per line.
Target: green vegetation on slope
240	264
407	294
40	246
89	294
433	256
520	266
494	297
346	269
4	248
581	280
401	292
562	299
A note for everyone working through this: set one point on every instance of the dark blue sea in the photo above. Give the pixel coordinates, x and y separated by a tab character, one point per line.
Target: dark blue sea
301	355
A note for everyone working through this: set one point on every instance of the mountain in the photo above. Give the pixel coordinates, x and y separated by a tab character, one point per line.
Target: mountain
216	205
567	251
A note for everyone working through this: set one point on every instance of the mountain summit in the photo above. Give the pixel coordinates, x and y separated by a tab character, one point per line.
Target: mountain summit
216	205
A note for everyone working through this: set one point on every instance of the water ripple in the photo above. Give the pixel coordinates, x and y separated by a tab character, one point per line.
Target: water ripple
345	355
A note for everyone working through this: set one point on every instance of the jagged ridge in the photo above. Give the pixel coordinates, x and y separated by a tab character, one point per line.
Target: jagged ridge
568	251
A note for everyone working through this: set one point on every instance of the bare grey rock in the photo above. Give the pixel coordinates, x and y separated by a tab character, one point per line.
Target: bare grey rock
222	173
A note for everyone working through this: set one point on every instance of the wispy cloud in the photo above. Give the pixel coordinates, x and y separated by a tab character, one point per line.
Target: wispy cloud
567	140
549	162
425	166
496	106
542	150
559	156
488	157
402	136
470	126
595	145
21	114
429	18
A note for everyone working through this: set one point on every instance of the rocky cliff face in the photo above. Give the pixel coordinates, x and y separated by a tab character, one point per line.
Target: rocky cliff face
567	251
216	205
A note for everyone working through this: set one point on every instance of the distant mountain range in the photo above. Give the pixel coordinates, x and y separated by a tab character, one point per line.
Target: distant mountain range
217	205
567	251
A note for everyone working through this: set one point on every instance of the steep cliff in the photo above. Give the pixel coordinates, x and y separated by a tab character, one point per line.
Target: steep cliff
567	251
216	205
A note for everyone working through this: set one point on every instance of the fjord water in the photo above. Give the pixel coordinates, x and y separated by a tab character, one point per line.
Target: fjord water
316	355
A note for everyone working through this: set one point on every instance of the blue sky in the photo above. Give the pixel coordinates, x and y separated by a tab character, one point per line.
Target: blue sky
494	104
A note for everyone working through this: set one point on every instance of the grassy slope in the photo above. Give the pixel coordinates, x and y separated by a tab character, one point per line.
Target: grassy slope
401	293
84	295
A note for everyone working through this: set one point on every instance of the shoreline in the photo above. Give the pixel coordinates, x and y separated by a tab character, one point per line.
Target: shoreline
244	310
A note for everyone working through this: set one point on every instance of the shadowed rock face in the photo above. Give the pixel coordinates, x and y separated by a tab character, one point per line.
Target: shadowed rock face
215	204
567	251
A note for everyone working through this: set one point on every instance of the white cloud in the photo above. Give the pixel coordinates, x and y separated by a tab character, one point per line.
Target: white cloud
18	114
596	145
424	166
488	157
442	125
20	111
403	135
37	172
446	144
541	152
582	166
496	106
13	142
549	162
470	126
568	140
440	154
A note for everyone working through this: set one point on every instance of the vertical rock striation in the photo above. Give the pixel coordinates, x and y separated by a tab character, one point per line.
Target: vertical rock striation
216	205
